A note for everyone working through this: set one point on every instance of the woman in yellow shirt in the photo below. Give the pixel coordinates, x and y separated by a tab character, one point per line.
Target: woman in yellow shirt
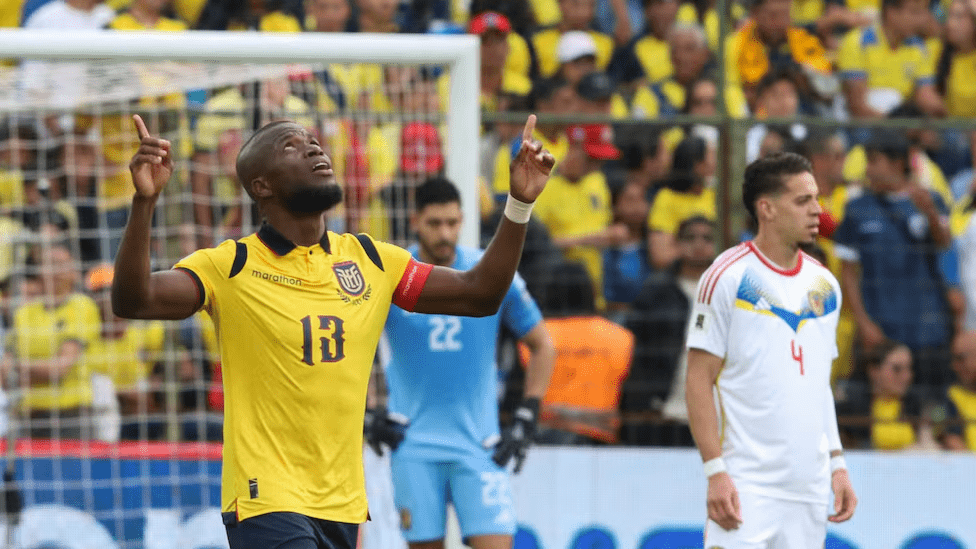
955	74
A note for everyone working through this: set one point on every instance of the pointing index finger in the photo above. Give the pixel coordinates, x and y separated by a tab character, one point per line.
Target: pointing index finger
140	126
529	129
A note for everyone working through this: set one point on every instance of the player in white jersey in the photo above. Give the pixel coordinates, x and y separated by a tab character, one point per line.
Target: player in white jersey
761	342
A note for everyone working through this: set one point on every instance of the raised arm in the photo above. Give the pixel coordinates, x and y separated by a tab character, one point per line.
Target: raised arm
136	291
480	290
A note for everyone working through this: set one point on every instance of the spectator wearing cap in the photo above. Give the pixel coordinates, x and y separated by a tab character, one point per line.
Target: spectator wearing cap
866	57
576	205
549	96
519	59
687	192
46	347
496	80
597	96
577	56
577	15
647	58
888	243
769	41
120	360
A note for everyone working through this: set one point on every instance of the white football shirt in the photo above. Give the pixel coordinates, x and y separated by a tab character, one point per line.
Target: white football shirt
776	330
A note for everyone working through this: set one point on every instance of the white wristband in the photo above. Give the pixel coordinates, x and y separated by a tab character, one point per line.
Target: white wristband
518	211
837	462
714	466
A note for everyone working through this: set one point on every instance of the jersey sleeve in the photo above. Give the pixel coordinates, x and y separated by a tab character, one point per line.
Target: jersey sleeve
711	315
203	266
407	275
520	314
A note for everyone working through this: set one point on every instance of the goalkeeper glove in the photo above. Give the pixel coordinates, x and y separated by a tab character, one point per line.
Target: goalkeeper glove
518	437
382	427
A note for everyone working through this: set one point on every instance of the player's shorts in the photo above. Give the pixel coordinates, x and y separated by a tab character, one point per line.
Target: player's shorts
771	523
477	487
289	531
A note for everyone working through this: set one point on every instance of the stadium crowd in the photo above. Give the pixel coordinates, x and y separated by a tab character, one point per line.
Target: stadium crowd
634	204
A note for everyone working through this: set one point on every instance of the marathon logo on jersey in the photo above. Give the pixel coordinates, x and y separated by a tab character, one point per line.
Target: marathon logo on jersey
353	287
276	278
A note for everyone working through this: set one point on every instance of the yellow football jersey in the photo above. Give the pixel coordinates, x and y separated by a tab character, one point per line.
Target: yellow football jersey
298	328
40	331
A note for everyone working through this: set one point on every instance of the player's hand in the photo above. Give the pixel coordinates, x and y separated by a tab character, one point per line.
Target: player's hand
531	166
152	165
723	501
519	436
844	499
382	427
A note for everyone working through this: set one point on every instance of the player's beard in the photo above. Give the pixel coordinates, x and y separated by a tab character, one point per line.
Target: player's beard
314	198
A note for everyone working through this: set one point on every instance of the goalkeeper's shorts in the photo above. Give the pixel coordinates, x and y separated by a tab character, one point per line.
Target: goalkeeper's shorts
477	487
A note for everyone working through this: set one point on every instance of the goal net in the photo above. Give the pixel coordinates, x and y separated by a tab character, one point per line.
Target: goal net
118	424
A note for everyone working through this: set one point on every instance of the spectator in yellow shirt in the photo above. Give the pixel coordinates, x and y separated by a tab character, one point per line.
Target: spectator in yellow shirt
961	396
955	78
549	96
769	40
597	96
872	88
689	192
146	15
647	58
46	347
577	15
493	28
575	205
237	15
124	352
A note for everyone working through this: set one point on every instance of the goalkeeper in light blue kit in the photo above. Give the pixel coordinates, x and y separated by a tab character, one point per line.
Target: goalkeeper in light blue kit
443	377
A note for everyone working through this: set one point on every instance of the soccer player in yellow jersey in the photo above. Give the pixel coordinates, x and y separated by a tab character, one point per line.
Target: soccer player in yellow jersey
299	311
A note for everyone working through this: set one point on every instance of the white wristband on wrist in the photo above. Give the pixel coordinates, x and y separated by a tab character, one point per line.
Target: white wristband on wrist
837	462
518	211
714	466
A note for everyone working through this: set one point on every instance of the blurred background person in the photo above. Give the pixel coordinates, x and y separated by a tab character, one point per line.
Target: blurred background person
581	404
625	266
45	354
960	432
885	413
687	192
654	391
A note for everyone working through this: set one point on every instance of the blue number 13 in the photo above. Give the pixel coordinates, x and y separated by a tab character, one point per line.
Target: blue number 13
332	346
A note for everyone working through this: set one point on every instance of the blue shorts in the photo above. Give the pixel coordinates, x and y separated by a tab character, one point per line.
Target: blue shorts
289	531
477	487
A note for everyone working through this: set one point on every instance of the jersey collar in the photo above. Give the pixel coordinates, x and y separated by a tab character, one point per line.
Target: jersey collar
280	245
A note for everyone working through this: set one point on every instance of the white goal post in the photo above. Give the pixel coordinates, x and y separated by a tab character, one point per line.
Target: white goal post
460	53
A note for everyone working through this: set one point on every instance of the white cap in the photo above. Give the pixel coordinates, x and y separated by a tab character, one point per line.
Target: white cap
575	44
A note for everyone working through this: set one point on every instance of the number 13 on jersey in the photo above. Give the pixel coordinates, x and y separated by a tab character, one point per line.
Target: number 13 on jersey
331	343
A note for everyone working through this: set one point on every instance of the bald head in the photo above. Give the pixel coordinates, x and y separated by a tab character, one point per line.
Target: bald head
256	153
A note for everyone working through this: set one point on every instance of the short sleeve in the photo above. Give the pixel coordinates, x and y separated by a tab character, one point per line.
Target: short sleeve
203	267
520	314
711	315
850	57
